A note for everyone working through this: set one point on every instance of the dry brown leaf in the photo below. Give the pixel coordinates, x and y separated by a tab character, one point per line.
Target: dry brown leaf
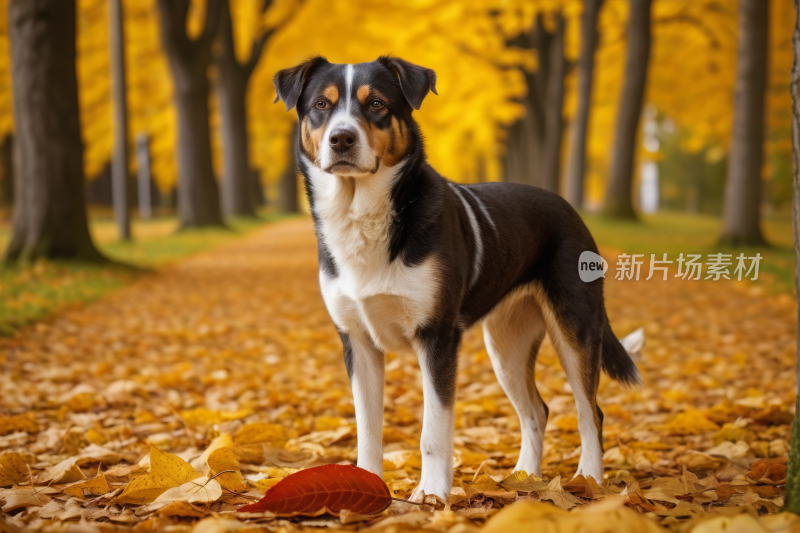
15	468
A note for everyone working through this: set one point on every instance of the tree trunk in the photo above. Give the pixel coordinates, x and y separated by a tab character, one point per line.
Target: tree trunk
742	210
554	121
536	137
232	81
580	125
7	172
619	202
287	194
119	165
793	474
50	207
198	194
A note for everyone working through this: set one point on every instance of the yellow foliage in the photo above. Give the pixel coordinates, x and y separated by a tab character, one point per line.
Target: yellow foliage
166	471
479	75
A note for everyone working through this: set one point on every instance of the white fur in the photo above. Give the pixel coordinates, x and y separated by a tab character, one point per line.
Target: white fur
476	230
436	442
378	303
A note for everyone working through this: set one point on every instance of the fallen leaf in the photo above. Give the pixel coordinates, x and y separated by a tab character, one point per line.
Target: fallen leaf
769	471
556	494
522	482
326	488
14	468
225	459
166	471
97	485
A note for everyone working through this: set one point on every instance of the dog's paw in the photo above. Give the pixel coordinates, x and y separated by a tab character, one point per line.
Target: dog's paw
425	492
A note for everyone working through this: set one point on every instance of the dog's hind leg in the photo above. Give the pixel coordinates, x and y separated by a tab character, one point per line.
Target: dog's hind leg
513	333
437	351
576	326
365	367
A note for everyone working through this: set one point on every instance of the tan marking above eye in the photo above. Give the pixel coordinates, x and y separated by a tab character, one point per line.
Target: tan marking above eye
331	93
363	93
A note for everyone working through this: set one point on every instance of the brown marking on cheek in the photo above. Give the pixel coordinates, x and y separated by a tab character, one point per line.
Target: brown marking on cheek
311	138
377	139
363	93
331	93
396	146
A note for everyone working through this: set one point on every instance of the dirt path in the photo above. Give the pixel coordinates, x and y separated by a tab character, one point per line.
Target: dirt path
240	334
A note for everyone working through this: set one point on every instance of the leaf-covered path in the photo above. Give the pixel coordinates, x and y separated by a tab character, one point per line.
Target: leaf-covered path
229	361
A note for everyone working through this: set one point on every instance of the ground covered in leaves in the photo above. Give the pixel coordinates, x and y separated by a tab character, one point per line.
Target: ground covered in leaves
168	405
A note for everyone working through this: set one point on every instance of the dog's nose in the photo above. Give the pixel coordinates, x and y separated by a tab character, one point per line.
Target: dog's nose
342	140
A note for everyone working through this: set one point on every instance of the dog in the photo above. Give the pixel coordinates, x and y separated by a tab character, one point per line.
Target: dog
409	260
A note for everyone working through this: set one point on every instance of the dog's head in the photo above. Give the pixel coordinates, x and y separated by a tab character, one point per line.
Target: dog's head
354	118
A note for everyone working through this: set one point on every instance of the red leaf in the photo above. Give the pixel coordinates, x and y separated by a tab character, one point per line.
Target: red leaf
325	489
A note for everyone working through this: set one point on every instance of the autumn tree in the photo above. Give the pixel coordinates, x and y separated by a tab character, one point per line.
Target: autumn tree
619	201
793	474
742	207
119	165
232	80
534	141
580	122
189	59
50	208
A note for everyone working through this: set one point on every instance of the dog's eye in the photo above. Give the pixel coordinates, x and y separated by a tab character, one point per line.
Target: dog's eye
322	104
376	104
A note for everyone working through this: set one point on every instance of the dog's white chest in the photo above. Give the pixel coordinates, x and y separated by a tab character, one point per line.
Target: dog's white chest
387	300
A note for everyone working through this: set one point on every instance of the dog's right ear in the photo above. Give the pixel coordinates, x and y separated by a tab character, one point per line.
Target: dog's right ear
289	82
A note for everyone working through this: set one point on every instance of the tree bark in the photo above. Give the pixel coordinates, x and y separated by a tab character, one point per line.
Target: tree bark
793	474
7	172
533	149
554	120
119	165
50	207
742	210
287	194
576	172
619	202
198	194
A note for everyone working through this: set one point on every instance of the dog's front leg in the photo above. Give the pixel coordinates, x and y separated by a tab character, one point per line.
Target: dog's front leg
365	367
437	352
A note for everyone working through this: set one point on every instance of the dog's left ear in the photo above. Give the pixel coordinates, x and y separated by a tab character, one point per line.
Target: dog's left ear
289	82
415	81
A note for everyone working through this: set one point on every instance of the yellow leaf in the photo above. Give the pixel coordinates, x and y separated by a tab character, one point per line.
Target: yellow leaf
201	463
24	422
96	485
263	485
227	459
521	481
166	471
261	432
691	422
14	467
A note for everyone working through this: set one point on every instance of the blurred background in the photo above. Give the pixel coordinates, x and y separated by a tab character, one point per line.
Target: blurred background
667	123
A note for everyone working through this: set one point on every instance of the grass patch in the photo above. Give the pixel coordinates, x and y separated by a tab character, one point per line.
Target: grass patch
33	292
674	233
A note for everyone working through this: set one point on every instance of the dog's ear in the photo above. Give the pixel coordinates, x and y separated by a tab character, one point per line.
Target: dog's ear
289	82
415	81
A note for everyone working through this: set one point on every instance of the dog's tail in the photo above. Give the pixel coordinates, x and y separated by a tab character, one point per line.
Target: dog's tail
618	356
